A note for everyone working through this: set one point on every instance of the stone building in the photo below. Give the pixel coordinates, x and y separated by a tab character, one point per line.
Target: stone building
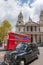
32	29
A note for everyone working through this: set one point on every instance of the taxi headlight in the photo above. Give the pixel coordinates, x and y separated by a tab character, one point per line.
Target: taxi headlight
15	57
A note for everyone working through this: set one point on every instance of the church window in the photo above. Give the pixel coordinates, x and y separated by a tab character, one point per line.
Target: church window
19	22
35	28
31	28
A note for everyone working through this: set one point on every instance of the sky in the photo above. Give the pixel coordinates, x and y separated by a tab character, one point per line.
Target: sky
10	9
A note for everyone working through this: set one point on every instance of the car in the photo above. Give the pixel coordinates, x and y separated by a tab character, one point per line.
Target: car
24	53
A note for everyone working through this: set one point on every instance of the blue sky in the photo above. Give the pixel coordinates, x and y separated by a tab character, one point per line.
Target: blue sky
25	1
10	9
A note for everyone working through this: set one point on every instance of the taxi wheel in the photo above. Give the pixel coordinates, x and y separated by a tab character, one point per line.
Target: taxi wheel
37	56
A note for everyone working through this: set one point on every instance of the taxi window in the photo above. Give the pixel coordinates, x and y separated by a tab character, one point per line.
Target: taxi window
29	47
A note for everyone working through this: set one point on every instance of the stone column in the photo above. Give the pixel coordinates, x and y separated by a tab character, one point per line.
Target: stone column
25	28
22	29
37	38
37	29
30	37
34	39
34	29
29	29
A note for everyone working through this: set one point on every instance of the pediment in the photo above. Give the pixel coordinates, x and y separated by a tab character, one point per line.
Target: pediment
32	24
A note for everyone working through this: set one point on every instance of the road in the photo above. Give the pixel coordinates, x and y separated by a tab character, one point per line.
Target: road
40	60
35	62
2	53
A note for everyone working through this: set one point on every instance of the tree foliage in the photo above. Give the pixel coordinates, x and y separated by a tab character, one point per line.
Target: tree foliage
4	28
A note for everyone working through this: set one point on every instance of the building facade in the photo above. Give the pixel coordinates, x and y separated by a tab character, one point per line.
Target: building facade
32	29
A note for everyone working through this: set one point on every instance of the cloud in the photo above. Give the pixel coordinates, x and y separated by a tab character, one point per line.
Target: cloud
37	6
26	11
10	9
2	11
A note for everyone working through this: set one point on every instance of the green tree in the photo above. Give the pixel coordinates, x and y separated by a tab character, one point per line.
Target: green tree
6	26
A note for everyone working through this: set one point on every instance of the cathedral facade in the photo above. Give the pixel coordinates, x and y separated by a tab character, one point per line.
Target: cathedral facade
32	29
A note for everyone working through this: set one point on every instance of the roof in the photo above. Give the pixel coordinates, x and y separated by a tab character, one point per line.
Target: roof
17	33
20	15
41	13
31	23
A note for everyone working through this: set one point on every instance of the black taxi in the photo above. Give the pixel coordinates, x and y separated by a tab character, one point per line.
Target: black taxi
24	53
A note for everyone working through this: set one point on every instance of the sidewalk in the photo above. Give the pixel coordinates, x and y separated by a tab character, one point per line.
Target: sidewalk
2	48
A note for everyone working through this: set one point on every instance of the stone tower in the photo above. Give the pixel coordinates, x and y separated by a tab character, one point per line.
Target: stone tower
41	18
30	20
41	21
20	23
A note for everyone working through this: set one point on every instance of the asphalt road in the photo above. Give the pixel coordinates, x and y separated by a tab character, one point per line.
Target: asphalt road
40	60
2	53
35	62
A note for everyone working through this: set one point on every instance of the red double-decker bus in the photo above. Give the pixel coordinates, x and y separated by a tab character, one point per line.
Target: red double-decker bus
13	39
